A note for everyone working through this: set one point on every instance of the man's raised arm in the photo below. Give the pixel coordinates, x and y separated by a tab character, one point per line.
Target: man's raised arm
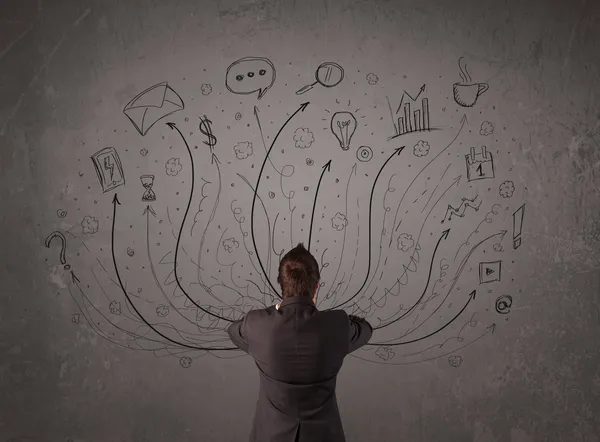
360	332
237	334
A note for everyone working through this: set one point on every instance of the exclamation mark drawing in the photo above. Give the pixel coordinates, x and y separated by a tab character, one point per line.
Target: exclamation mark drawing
518	226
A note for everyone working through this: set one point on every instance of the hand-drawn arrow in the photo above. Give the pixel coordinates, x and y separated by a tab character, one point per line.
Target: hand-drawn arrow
95	326
92	323
490	329
187	209
405	270
443	236
463	121
213	160
352	173
150	211
455	279
471	297
326	168
262	137
262	168
336	291
112	243
396	152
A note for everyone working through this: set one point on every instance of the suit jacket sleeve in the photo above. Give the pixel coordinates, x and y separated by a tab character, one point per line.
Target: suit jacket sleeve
238	335
360	332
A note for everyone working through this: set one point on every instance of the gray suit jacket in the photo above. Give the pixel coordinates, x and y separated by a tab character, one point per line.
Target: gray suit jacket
299	351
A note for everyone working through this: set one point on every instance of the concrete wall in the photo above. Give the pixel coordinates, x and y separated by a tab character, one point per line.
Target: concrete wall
485	335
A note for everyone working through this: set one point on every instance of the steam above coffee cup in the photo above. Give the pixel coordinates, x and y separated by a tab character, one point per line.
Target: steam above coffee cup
467	92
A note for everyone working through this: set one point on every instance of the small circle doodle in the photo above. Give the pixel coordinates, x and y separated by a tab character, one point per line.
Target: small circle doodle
503	304
364	154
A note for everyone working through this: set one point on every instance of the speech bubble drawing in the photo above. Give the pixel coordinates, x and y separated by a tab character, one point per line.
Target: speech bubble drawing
250	74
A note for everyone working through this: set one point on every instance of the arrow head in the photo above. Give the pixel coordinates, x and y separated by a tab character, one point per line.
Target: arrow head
74	277
214	158
327	166
399	150
503	232
464	120
422	88
472	294
492	328
171	125
116	200
256	110
457	179
148	210
303	106
445	233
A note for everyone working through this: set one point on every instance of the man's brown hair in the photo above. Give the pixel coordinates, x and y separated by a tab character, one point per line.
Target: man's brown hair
298	273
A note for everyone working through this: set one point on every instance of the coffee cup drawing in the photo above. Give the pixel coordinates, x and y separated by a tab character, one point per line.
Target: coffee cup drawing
467	92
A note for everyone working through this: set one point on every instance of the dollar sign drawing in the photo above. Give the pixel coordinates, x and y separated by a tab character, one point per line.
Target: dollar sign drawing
205	128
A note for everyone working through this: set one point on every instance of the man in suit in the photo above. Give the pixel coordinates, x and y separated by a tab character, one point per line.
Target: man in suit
299	351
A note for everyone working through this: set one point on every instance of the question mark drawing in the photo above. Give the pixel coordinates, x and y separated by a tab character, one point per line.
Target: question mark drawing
63	248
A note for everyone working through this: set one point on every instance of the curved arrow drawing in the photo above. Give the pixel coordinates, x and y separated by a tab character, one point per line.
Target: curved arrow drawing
336	291
262	168
352	172
443	236
380	248
150	211
463	120
471	297
404	273
490	329
326	168
213	160
112	243
187	209
396	152
455	279
263	275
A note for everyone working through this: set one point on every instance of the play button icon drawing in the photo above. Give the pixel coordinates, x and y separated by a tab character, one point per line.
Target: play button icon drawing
489	271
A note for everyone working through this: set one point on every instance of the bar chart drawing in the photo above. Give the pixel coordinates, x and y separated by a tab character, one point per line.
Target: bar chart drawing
409	118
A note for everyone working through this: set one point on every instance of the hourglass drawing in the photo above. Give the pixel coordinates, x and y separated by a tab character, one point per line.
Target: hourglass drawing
148	182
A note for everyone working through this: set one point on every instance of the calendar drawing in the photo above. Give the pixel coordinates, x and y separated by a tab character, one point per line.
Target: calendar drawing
480	165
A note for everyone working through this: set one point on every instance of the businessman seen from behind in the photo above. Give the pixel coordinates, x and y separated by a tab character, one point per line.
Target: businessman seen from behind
299	351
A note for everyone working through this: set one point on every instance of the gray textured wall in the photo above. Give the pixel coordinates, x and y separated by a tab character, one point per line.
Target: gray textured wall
68	68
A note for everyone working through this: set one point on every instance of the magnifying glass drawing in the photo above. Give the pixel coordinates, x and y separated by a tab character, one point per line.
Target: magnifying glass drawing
328	74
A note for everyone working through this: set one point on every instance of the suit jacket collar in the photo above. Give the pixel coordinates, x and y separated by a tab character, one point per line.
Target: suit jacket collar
304	300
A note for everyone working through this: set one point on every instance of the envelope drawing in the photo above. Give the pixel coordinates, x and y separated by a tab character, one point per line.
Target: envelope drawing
154	103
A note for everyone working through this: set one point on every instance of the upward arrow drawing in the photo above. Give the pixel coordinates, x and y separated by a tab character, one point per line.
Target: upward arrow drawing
187	209
116	203
326	168
262	168
396	152
443	236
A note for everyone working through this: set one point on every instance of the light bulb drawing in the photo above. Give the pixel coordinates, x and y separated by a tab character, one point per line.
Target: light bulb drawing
343	126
